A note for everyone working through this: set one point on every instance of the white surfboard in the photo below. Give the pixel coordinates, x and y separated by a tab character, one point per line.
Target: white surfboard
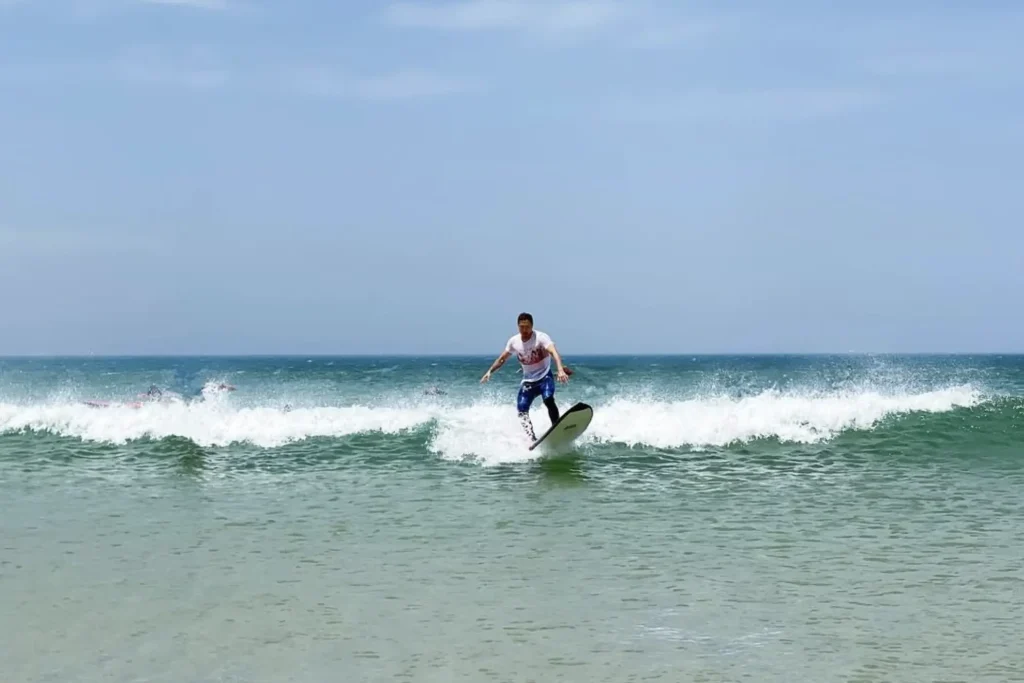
570	425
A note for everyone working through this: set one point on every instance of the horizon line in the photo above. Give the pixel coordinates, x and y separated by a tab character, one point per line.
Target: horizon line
606	354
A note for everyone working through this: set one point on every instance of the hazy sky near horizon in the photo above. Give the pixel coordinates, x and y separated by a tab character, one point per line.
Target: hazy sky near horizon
236	176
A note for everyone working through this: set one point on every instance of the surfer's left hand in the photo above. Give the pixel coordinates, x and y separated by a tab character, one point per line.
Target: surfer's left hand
562	376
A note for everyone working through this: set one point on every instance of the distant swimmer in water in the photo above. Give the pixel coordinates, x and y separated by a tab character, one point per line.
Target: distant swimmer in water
218	386
211	388
534	350
155	393
435	391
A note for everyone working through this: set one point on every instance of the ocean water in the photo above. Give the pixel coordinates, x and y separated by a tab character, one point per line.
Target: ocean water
757	518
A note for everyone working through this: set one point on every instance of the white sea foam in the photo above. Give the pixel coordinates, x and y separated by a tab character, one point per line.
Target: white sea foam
490	431
207	425
788	417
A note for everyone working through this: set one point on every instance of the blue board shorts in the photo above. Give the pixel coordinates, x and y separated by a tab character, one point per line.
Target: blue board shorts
528	391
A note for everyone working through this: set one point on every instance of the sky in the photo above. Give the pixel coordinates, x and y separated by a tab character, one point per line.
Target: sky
314	177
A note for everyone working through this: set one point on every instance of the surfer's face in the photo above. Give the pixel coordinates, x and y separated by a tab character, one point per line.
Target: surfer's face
525	328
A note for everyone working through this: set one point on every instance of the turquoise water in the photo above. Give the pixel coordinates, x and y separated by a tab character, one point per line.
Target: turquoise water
723	519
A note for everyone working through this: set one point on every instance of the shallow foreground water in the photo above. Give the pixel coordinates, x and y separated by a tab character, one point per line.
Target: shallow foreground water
724	519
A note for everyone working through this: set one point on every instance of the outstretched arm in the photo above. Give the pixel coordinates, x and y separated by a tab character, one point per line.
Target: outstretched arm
496	365
562	375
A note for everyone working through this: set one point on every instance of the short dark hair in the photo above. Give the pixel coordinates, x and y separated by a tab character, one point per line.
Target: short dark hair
525	316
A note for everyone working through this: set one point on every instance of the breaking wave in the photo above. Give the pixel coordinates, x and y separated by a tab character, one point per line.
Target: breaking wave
489	431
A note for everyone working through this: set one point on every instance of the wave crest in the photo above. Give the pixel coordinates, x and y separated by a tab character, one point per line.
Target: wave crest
490	432
788	417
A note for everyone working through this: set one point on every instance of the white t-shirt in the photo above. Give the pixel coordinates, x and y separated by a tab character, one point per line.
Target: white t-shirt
532	354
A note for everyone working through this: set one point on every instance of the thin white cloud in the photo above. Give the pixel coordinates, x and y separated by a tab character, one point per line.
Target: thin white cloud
992	65
194	4
201	70
34	240
168	74
142	65
405	84
195	68
542	16
409	83
792	105
958	43
629	23
923	63
670	34
94	8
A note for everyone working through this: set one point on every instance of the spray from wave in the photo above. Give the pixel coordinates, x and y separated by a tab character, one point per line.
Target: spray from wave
489	431
793	417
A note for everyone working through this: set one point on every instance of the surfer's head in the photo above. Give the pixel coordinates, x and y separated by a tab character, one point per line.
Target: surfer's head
525	325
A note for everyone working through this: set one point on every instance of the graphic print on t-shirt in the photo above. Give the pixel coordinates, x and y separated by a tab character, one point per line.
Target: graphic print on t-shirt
532	354
536	355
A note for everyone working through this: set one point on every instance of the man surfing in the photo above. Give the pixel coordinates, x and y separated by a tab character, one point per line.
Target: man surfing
534	350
